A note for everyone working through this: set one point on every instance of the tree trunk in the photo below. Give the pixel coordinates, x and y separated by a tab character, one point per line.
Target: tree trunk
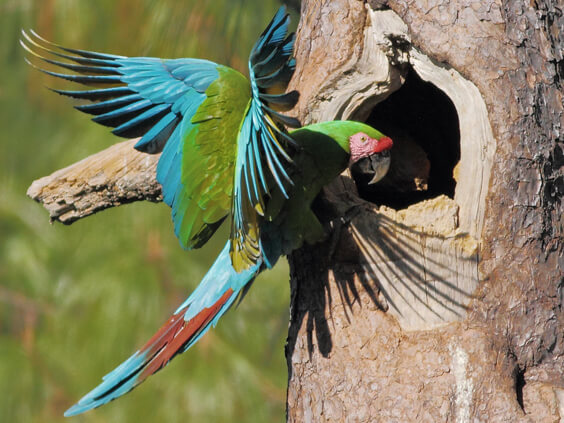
450	307
437	295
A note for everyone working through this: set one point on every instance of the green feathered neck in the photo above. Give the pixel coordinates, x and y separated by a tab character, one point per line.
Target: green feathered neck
342	130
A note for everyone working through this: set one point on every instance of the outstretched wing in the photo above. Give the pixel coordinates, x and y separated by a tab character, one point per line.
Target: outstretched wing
262	142
222	146
138	96
157	99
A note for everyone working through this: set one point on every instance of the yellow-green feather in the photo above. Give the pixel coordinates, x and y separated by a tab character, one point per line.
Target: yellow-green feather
208	157
324	154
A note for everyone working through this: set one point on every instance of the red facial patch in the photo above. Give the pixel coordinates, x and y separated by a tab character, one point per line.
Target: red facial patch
362	145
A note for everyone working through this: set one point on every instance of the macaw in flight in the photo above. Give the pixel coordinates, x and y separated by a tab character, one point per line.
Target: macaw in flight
224	153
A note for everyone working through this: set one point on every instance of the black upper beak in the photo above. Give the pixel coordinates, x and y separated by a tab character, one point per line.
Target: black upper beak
375	166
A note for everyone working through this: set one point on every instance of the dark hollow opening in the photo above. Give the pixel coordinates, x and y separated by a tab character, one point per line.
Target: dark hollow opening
423	123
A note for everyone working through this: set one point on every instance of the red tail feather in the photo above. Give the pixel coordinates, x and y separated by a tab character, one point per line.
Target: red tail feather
175	334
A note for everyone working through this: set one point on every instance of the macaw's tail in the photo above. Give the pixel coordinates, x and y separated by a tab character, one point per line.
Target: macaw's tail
215	294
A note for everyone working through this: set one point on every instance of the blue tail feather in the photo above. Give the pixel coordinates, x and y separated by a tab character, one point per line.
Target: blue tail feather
202	309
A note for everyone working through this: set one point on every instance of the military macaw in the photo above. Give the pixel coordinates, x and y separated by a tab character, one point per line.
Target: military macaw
223	153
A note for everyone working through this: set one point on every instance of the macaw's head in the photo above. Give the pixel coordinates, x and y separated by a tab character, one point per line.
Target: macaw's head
370	153
357	144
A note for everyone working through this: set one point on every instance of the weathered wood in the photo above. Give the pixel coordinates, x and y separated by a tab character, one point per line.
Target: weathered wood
115	176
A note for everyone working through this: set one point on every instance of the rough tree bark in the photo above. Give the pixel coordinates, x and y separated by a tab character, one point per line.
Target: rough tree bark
448	306
394	318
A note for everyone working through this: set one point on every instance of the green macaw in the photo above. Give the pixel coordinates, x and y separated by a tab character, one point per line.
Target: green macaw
223	153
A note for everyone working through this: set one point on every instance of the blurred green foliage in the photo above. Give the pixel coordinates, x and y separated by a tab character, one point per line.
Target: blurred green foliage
76	301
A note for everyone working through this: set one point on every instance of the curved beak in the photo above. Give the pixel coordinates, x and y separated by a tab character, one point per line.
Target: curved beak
379	165
374	166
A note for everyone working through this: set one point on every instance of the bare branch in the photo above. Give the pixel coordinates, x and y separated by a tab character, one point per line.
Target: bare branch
115	176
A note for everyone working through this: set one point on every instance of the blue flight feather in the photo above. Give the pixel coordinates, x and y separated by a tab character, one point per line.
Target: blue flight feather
287	120
288	99
84	53
130	108
82	79
153	140
252	163
272	168
248	187
258	162
169	166
95	95
76	59
108	105
279	22
141	119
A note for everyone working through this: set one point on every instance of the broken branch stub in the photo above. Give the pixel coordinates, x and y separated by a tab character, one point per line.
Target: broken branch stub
117	175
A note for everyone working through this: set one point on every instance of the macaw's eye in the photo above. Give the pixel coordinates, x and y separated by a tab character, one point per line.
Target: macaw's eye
363	138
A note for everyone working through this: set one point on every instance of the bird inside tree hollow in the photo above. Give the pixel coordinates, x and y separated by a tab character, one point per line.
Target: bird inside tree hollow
224	153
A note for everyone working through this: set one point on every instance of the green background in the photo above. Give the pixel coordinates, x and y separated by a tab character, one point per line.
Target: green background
75	301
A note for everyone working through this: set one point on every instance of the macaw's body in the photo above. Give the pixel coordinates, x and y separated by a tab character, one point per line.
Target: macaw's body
286	225
223	154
